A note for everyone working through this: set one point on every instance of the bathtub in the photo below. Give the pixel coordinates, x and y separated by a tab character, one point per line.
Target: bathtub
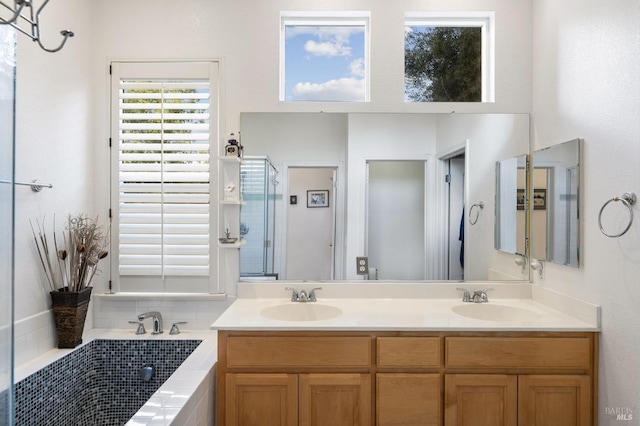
106	366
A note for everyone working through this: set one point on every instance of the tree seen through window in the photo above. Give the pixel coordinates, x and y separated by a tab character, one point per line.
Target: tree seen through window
443	64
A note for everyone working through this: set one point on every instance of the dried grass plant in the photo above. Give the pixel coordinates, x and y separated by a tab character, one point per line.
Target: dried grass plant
72	265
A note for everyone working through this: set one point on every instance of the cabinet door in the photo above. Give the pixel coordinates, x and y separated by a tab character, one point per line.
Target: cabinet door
404	399
480	400
335	399
554	400
261	400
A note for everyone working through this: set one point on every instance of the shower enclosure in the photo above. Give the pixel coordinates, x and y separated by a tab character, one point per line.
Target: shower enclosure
258	180
7	94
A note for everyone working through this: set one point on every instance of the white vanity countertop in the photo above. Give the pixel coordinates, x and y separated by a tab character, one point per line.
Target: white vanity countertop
411	314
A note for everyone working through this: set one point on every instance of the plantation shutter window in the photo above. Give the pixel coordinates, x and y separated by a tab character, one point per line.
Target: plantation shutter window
165	118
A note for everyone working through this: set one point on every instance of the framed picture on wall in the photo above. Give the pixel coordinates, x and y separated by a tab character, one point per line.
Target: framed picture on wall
539	199
520	199
318	198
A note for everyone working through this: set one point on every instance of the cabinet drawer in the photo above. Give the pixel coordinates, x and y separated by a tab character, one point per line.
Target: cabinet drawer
344	352
417	352
518	352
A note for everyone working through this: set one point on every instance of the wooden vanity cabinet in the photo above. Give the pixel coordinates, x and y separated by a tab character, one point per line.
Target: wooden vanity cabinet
554	400
408	380
481	399
408	399
523	400
334	399
298	399
550	380
390	378
288	378
261	399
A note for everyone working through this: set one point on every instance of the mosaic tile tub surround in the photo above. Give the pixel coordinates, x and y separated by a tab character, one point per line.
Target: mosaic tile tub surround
98	383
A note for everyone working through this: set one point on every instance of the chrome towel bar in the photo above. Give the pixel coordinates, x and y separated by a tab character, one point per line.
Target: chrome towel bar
35	185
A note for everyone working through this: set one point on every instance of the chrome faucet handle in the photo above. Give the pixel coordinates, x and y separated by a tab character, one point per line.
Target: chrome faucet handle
140	329
294	294
466	296
480	296
174	327
312	294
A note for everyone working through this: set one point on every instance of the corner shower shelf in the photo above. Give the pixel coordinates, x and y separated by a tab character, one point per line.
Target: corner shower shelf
233	245
230	159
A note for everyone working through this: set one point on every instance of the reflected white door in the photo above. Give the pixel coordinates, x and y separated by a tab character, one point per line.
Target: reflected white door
310	223
396	219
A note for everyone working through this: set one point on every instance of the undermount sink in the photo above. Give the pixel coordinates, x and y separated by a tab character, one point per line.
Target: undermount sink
491	312
301	312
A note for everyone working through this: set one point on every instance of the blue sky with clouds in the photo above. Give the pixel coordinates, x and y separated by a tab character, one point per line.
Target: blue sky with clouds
324	63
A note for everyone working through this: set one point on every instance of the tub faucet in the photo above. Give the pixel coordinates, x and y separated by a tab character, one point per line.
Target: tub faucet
157	320
140	329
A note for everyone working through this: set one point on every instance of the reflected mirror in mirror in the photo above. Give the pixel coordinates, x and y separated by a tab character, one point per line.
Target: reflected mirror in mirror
329	154
555	223
511	214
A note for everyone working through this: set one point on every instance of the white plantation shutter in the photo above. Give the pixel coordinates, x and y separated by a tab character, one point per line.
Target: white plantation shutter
163	181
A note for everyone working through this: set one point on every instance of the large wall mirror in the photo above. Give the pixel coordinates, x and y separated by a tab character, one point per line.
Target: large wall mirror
555	221
396	188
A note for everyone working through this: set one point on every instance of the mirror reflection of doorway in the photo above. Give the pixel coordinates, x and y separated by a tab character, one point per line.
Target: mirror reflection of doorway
456	214
310	226
395	228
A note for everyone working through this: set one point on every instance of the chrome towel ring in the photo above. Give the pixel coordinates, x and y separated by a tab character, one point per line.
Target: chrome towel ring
479	206
628	199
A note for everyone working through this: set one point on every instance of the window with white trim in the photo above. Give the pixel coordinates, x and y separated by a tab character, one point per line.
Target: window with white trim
164	129
324	56
449	57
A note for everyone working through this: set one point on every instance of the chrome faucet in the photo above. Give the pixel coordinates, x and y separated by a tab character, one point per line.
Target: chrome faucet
480	296
466	297
157	320
294	294
303	296
312	294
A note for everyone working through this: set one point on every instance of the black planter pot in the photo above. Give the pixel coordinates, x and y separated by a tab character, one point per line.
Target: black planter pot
70	312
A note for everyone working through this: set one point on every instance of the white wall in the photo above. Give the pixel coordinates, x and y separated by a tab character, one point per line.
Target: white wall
586	85
63	98
54	144
585	63
246	34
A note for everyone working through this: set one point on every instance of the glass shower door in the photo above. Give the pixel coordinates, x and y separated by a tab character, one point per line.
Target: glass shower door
7	92
257	217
